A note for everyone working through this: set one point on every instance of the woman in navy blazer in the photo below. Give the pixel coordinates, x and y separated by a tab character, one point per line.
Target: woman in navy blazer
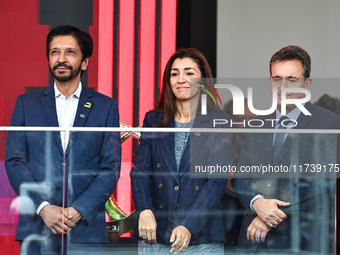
174	209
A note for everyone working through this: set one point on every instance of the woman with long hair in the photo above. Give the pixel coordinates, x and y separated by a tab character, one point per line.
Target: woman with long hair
177	213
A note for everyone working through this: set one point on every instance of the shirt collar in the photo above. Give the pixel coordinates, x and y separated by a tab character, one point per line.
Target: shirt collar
76	94
293	115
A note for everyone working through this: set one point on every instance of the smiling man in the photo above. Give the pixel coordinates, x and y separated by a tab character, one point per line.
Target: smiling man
283	210
64	178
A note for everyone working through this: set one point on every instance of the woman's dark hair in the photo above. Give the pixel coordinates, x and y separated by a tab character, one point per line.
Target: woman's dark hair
83	38
166	101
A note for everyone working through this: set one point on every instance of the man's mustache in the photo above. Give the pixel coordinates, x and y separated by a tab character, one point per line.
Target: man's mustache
63	65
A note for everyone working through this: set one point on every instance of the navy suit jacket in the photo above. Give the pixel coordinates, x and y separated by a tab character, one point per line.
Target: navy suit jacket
35	163
157	185
312	196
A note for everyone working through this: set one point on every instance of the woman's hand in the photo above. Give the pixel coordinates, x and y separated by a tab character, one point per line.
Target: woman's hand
147	226
181	237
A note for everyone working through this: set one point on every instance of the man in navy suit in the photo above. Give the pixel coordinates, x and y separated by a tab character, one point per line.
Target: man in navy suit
64	178
293	212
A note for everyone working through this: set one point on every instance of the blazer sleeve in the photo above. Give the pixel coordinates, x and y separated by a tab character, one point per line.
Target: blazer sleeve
94	197
16	160
244	193
141	171
244	186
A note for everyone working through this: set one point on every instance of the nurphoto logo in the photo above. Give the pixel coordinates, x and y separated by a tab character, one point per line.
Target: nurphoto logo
238	99
238	102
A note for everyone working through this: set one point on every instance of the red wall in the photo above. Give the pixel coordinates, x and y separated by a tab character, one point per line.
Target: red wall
136	65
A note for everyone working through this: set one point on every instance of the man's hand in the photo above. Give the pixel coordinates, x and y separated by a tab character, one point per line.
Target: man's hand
73	217
257	231
53	217
269	212
180	238
147	225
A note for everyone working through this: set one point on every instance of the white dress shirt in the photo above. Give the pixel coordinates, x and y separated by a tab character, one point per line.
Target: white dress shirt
66	111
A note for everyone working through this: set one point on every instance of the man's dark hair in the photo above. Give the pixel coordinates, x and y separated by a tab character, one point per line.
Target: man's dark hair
83	38
293	52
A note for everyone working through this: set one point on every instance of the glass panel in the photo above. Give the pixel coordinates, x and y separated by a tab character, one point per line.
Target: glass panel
310	214
304	174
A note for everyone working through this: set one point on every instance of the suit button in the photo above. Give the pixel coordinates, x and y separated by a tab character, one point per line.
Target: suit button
269	184
159	165
161	206
58	188
176	188
196	188
63	164
198	134
160	185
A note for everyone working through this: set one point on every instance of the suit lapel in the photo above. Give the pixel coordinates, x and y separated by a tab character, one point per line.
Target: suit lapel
85	106
268	139
302	123
49	107
304	120
167	143
194	143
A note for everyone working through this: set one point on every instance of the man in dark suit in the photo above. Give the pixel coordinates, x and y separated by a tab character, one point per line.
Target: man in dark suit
64	178
289	211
